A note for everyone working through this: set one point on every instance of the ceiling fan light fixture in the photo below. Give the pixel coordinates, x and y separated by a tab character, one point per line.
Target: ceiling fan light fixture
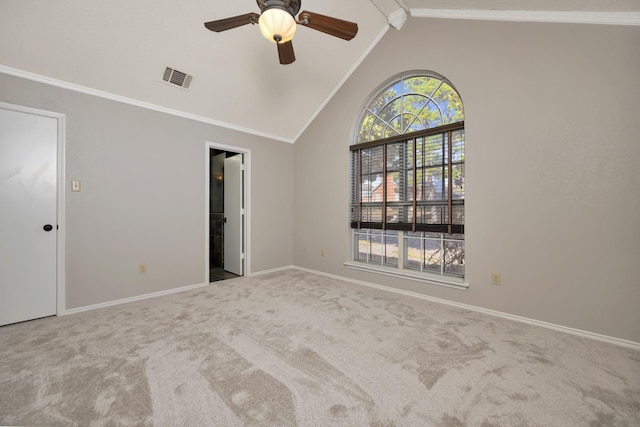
277	24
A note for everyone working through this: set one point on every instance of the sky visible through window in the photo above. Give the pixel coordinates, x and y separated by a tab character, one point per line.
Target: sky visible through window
409	105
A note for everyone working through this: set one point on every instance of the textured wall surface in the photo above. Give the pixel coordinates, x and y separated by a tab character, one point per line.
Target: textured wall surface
552	177
143	195
552	180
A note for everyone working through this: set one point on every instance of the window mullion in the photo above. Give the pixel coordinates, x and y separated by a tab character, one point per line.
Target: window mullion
415	185
443	168
359	187
402	252
450	181
423	255
384	187
442	252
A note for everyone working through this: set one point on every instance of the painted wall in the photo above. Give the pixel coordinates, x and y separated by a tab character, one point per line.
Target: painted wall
143	195
552	176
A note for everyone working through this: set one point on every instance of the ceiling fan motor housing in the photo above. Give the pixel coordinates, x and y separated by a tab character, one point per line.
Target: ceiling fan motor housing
291	6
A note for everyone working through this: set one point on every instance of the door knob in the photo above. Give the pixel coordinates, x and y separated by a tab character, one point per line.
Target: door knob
48	227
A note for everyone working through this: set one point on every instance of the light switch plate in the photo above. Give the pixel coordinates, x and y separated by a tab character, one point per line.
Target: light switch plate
496	278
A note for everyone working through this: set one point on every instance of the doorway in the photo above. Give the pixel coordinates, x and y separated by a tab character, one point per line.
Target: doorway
227	171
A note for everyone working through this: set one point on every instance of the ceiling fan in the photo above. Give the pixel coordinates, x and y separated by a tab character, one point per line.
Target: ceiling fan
278	24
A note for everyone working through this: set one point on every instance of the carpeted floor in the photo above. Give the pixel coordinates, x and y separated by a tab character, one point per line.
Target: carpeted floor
294	348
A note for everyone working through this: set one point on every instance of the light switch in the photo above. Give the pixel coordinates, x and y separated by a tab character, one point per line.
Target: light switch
75	185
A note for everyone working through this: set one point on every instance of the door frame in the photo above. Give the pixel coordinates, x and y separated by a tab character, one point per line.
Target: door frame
246	201
60	196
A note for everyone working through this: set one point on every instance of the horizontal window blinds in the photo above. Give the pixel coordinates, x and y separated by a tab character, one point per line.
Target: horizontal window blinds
412	182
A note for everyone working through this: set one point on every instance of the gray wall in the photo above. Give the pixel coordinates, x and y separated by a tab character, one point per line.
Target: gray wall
552	198
143	195
552	167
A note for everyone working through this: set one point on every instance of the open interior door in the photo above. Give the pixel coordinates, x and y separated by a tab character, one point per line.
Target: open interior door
233	215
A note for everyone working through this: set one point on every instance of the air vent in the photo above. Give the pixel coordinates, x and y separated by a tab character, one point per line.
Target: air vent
178	78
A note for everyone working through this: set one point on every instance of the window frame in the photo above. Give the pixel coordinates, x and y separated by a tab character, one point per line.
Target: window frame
410	201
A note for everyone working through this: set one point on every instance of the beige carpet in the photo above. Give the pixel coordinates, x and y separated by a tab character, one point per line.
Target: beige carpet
294	348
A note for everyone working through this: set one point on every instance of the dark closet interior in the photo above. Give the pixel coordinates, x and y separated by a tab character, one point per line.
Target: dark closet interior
216	216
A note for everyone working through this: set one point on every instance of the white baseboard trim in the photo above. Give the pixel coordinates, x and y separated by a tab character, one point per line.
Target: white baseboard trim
578	332
160	293
132	299
586	334
273	270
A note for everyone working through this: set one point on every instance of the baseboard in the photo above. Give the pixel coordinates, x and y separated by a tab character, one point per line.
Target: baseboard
131	299
586	334
158	294
578	332
273	270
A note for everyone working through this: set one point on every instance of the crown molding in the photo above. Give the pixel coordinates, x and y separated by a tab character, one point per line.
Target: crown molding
27	75
566	17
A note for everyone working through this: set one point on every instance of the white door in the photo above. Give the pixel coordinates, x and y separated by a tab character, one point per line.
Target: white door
233	213
28	195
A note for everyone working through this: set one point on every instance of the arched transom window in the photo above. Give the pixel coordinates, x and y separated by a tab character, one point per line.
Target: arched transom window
410	104
407	181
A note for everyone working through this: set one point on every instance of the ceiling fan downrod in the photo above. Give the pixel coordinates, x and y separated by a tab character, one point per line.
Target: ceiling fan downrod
291	6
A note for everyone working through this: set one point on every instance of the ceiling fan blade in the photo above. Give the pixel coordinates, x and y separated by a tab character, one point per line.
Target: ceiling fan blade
285	53
233	22
333	26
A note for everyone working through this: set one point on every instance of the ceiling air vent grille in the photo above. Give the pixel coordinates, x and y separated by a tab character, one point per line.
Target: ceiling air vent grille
178	78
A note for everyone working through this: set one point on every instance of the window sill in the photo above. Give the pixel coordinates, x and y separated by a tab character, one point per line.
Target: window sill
432	279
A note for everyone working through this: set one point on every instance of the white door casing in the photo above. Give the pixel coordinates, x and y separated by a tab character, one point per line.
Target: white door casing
233	213
29	150
246	199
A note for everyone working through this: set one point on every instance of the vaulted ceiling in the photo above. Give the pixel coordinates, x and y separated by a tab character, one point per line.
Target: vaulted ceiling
121	48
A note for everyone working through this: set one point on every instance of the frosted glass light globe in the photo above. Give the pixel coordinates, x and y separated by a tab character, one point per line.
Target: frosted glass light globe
276	21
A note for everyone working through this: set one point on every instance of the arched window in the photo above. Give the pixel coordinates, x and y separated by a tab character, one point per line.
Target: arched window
407	180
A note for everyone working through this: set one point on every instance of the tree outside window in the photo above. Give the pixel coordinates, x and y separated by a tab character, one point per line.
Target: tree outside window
407	177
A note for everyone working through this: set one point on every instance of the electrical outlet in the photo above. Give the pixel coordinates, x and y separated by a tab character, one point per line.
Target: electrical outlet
142	268
496	278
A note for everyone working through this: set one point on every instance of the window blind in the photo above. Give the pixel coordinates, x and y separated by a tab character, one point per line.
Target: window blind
412	182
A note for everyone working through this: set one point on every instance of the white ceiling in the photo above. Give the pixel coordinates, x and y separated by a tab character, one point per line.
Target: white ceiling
120	48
